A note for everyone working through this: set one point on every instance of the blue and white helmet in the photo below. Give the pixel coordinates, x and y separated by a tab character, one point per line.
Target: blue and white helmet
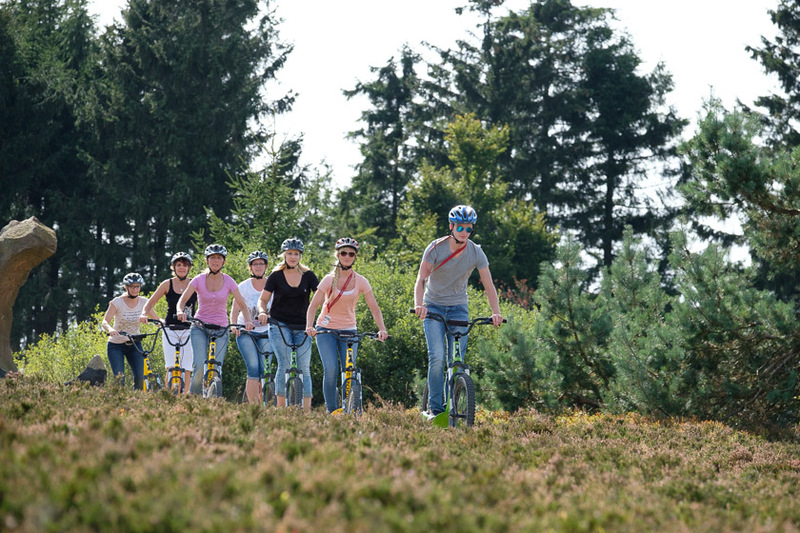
463	214
292	243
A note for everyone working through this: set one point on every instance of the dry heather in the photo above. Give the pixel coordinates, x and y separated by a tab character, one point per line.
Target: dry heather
79	459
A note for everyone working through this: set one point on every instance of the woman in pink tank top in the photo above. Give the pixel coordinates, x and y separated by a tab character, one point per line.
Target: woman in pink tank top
212	288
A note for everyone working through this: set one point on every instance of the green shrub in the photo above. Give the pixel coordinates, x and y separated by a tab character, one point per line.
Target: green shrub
61	357
515	374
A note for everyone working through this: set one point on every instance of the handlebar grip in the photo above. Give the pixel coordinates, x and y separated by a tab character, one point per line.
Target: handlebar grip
412	311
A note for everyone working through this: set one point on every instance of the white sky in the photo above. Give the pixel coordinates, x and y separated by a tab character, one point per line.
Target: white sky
700	41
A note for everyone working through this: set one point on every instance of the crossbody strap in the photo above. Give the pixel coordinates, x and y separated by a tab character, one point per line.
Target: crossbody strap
341	291
449	257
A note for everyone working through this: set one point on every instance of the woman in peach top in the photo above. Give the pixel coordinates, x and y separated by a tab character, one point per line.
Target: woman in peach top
338	294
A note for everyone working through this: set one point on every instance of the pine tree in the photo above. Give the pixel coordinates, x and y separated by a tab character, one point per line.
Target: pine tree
585	127
378	190
185	89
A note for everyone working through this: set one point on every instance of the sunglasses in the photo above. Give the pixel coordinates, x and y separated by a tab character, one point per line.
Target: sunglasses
462	228
347	254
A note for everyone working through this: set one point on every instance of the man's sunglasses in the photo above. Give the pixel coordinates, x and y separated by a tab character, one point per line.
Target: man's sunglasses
462	228
345	253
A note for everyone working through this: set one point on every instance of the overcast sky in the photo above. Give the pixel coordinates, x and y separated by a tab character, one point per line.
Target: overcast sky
700	41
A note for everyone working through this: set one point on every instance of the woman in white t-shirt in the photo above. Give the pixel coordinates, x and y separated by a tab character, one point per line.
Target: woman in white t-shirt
251	291
125	311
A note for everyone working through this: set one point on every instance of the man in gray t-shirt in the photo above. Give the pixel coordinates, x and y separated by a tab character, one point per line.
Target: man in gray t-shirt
441	288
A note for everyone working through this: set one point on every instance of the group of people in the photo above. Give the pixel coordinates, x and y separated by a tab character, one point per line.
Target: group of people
281	303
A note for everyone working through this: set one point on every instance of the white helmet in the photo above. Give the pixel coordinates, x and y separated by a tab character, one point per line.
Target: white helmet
131	278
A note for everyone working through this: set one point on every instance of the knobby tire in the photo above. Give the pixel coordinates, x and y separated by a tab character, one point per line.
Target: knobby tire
463	411
425	398
294	392
354	398
268	394
214	389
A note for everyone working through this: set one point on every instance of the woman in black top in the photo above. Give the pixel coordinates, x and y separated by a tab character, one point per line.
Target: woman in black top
290	286
176	331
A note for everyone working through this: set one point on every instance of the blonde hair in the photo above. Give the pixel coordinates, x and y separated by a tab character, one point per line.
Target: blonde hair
336	272
282	265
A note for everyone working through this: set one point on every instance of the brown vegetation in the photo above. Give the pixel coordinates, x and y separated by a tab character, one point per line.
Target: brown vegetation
110	459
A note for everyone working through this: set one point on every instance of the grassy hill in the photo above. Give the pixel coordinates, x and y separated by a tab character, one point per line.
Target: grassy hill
77	459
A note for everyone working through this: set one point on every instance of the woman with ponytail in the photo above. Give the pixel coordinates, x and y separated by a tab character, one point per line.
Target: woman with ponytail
175	332
338	294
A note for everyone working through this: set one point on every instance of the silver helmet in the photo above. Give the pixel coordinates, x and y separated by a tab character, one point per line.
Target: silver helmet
292	243
212	249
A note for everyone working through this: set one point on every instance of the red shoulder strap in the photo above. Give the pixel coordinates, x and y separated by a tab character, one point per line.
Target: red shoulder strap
449	257
341	291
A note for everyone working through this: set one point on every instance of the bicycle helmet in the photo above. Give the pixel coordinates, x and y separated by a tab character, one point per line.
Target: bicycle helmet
131	278
346	241
258	254
463	214
212	249
292	243
182	255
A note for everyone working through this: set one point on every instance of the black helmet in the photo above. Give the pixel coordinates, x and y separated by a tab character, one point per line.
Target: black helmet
258	254
212	249
182	255
292	243
463	214
345	242
131	278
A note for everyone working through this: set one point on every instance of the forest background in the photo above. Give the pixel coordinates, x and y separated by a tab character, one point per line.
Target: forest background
141	140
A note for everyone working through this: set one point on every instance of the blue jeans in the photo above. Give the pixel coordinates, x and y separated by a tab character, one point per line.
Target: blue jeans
333	354
284	353
251	354
117	353
438	341
200	348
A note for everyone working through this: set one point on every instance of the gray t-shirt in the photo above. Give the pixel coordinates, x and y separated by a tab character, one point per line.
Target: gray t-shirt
447	285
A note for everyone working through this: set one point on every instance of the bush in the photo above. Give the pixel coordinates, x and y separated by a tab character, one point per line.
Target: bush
60	358
387	369
515	377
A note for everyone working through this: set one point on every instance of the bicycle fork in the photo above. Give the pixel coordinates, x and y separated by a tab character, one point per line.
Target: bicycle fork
211	362
146	375
458	366
349	374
